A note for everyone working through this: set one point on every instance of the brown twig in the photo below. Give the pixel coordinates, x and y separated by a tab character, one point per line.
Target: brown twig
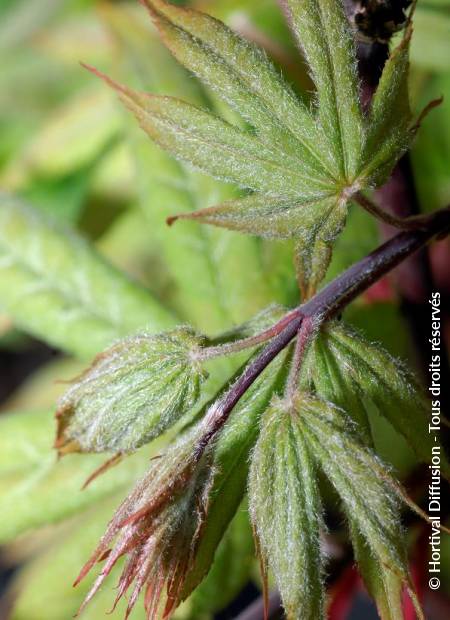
326	304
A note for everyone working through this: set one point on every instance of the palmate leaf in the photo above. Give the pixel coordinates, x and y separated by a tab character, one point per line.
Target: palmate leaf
284	160
131	394
298	437
301	165
367	371
368	496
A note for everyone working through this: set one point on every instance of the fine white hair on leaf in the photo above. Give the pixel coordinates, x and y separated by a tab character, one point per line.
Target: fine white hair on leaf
131	394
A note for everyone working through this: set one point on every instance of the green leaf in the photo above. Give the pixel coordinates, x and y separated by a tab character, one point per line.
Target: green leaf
286	511
230	571
385	381
265	216
390	117
333	383
383	585
36	489
217	147
241	74
231	458
132	393
56	287
361	481
323	33
313	252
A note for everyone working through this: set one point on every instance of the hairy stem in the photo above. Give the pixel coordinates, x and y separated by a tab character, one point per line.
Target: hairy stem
414	222
304	337
246	343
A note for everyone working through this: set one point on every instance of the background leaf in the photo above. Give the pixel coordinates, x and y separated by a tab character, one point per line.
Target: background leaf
54	285
36	489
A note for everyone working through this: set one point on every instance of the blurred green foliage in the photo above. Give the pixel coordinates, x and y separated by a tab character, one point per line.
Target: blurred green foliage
68	148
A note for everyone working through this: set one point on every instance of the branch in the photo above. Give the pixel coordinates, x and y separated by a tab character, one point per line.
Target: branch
326	304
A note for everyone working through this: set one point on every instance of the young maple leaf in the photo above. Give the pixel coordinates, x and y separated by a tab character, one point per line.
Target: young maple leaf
299	166
157	528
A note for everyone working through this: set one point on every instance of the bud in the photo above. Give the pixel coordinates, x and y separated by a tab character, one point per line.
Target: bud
131	394
158	528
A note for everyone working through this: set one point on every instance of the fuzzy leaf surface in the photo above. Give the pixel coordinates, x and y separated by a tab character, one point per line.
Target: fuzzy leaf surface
56	287
385	381
390	118
383	585
332	383
313	251
241	74
231	459
360	479
132	393
286	511
323	34
219	148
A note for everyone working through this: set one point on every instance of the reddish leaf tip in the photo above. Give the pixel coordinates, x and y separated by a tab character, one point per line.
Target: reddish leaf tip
172	219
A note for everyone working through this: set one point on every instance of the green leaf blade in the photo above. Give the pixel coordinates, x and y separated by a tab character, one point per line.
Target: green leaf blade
265	216
131	394
314	248
323	34
363	484
286	512
389	384
58	288
241	74
389	132
214	146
